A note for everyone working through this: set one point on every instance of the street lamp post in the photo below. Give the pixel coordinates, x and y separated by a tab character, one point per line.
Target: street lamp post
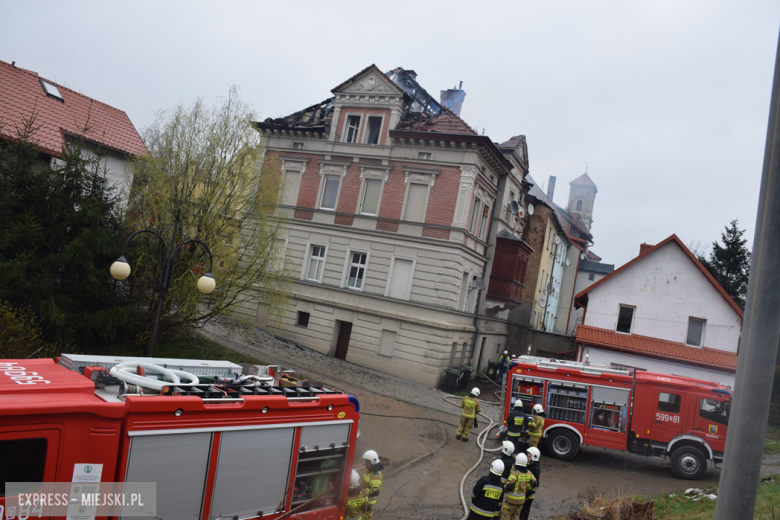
120	270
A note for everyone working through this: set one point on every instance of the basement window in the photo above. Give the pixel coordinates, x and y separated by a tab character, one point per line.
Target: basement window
625	319
303	319
51	89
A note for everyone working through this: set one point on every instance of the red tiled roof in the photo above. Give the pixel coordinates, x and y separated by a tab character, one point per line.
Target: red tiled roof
657	348
579	299
583	180
21	93
593	256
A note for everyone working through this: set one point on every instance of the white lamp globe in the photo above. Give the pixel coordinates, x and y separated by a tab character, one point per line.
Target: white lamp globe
206	283
120	269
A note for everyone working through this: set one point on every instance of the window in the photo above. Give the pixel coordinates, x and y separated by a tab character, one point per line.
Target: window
498	348
400	278
371	191
464	292
715	411
483	221
474	216
387	343
297	146
316	261
669	402
424	155
291	183
695	331
579	205
454	354
357	271
23	461
591	277
320	467
330	192
353	125
303	319
374	129
415	203
51	89
625	319
536	315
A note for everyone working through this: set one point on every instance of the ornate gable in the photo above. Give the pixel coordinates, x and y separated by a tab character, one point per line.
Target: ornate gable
369	85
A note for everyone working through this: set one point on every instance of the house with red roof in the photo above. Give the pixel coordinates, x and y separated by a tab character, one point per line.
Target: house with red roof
63	116
662	312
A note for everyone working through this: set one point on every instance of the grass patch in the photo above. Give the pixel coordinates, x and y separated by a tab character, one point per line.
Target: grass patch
771	447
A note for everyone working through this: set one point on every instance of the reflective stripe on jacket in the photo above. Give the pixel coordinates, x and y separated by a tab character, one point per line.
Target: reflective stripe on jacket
371	482
519	482
356	505
470	407
515	422
486	496
535	426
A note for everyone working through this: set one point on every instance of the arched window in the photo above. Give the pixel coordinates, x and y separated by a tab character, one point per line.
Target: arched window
579	205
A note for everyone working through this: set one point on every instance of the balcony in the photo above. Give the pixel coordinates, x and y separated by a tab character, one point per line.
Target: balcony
509	264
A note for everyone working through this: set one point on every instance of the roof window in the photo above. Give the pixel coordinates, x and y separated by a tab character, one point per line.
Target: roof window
51	89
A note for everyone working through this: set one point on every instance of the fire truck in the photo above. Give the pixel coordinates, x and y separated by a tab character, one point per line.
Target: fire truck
655	415
220	440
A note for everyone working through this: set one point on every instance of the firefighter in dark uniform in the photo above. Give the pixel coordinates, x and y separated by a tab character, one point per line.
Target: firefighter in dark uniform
487	494
471	408
533	466
515	423
536	426
371	481
507	457
357	499
519	482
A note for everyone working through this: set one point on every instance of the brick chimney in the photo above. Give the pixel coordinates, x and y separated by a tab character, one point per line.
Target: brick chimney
644	247
453	98
551	188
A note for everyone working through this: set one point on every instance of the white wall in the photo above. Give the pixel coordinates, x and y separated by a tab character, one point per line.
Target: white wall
605	357
582	283
667	288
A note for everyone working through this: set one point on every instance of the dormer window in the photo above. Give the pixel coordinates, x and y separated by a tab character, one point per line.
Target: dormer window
353	125
51	89
374	129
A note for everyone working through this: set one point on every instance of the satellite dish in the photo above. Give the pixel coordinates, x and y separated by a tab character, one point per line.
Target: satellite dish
557	240
542	300
514	207
480	282
530	209
568	262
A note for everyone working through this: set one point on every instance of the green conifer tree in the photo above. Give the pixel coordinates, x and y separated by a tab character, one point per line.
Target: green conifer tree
729	263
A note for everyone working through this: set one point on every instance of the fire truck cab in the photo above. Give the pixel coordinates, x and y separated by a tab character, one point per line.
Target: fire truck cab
224	445
649	414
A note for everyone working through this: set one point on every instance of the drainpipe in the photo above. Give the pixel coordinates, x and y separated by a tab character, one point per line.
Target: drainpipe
501	182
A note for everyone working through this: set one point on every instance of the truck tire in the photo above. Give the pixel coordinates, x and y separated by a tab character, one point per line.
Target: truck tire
562	444
688	463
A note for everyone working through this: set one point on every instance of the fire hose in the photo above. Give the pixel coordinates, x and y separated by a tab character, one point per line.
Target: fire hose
123	372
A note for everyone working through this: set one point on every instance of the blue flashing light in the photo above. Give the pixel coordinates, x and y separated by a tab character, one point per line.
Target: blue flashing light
722	391
354	401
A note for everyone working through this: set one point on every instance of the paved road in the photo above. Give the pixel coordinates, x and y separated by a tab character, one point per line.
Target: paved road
426	463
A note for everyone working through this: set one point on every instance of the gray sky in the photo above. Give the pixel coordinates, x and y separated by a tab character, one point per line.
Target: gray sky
666	102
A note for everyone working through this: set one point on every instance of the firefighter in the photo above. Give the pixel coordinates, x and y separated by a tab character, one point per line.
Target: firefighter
503	364
471	408
507	457
519	482
515	423
533	466
487	494
536	426
372	481
357	499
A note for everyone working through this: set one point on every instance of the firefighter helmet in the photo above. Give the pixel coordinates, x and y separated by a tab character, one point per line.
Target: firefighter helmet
533	453
355	479
371	457
521	460
475	391
538	408
519	403
505	352
497	467
507	448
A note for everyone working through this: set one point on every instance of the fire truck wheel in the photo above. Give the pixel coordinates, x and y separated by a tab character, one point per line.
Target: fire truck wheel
688	463
562	444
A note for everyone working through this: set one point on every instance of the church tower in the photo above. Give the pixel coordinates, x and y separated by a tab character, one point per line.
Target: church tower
582	194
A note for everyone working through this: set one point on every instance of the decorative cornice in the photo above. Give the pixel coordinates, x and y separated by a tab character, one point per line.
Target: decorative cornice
376	172
333	169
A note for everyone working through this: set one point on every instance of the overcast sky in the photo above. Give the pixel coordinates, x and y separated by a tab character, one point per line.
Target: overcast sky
665	102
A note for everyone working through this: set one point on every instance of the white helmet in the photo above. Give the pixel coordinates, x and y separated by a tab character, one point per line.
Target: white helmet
475	391
508	448
497	467
505	352
514	357
521	460
538	408
533	453
371	456
355	480
519	403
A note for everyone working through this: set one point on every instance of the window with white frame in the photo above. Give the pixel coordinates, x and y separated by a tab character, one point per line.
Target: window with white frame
372	189
356	272
483	223
625	319
374	129
353	127
400	279
474	216
416	202
330	192
464	292
472	302
316	262
695	332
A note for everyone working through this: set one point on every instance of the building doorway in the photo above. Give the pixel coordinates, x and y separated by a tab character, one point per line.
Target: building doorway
342	344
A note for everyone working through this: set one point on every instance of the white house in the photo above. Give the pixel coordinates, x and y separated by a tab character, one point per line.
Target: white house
662	312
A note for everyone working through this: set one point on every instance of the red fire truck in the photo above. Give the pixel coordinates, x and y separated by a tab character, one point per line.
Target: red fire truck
220	440
649	414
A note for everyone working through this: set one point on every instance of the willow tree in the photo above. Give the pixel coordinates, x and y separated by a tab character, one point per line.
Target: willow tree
203	168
